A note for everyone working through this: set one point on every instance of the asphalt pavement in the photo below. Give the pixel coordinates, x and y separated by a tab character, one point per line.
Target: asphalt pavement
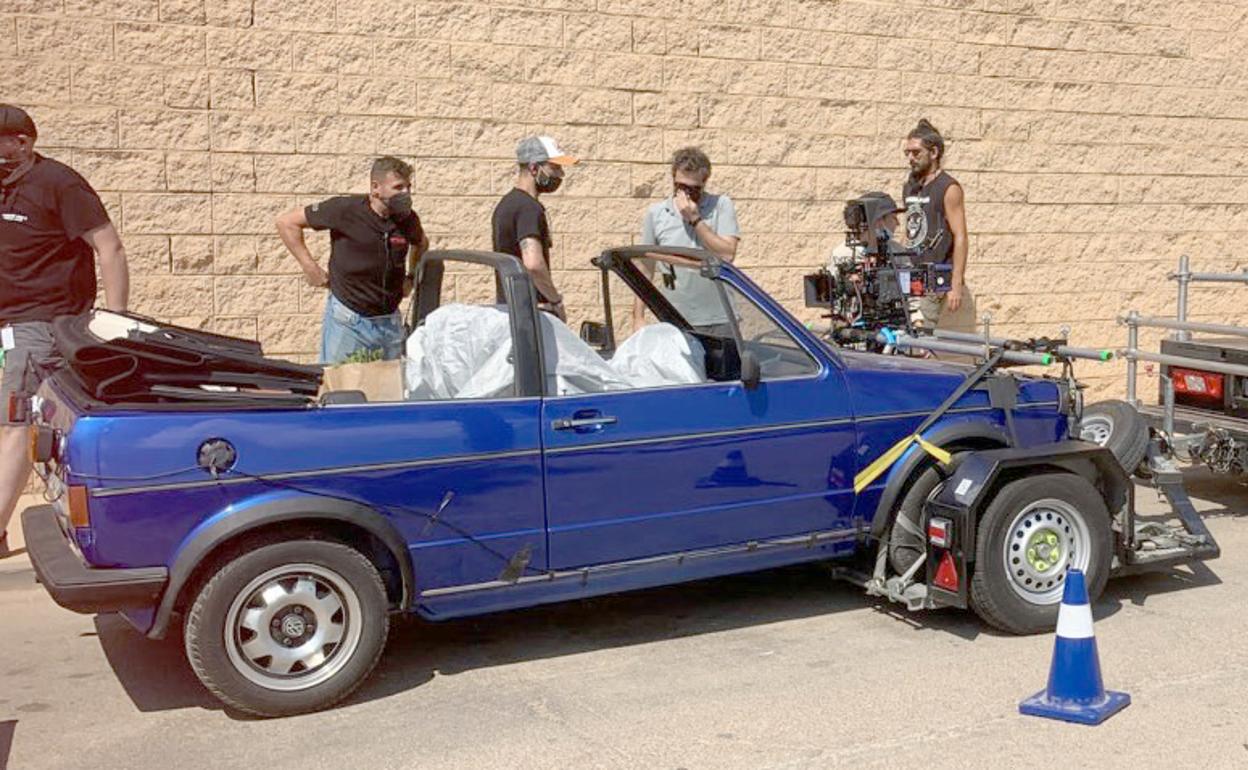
784	669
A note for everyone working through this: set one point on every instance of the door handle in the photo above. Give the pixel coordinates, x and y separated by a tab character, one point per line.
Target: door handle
578	423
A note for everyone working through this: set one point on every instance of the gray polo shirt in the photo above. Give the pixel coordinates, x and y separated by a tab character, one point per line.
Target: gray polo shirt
694	296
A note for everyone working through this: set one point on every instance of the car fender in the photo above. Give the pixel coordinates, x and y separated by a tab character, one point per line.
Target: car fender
973	482
942	435
262	511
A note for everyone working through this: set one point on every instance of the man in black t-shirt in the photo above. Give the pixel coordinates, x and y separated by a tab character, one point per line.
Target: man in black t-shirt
375	242
51	225
519	223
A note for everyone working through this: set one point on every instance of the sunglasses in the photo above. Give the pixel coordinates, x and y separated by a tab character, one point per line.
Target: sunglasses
693	191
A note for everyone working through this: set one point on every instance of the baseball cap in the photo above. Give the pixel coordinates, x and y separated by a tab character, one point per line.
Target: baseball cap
15	120
884	203
542	149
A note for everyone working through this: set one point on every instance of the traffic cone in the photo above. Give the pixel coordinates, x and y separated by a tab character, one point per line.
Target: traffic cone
1075	692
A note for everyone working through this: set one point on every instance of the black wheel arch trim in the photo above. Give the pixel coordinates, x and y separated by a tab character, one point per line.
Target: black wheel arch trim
291	509
944	436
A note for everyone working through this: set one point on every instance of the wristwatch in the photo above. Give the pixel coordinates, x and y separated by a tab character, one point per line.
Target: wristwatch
695	222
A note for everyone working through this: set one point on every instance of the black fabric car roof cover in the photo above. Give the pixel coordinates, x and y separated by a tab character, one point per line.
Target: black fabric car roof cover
174	363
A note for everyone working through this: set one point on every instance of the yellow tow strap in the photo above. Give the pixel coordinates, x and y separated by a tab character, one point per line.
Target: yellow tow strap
886	460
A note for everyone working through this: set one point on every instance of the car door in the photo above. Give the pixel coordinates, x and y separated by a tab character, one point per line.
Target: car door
636	473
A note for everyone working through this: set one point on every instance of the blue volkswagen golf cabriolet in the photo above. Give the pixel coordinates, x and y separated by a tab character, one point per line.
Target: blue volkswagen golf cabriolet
199	483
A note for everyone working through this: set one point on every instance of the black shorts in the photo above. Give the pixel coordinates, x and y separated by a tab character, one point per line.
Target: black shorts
30	360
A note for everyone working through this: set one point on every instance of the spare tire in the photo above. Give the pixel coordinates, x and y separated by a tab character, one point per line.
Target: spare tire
1117	426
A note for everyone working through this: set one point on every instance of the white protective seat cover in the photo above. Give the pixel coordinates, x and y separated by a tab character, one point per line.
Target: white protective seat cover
464	351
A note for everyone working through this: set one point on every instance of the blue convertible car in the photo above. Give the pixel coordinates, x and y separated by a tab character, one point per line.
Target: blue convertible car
524	463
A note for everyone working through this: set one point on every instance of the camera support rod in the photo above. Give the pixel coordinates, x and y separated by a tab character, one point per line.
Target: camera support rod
1065	351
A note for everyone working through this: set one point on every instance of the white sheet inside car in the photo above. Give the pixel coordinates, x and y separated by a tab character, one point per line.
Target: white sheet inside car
464	351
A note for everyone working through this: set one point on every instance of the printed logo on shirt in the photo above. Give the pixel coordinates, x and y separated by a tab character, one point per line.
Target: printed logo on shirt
916	219
398	242
9	217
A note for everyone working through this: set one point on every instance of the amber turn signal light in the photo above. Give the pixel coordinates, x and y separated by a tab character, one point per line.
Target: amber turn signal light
79	515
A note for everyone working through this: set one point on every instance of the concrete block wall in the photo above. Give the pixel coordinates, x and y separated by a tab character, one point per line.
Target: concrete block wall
1096	142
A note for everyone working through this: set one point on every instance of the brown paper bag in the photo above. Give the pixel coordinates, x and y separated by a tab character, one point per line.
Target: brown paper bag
379	380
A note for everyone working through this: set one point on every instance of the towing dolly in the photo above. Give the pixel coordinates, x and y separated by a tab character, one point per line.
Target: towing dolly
953	510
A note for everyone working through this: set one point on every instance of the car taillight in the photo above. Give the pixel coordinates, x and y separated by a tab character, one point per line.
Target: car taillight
1196	383
43	441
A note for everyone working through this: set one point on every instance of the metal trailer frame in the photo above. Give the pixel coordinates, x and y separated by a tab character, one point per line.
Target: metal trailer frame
1181	329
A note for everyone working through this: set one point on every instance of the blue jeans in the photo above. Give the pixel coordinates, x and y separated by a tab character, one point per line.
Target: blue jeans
345	331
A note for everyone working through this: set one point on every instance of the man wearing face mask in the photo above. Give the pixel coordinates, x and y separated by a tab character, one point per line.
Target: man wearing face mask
375	243
519	223
52	224
691	218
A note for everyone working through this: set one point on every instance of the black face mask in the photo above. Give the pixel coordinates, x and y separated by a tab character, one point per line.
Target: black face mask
400	205
547	183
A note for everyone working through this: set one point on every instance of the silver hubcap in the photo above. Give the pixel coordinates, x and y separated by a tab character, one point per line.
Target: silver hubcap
1044	540
293	627
1097	429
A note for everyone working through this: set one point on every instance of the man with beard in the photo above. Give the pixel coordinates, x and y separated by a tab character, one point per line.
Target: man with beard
52	224
936	226
375	242
519	225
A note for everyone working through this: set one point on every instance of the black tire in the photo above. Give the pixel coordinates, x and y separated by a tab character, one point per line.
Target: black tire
906	539
219	642
1017	513
1117	426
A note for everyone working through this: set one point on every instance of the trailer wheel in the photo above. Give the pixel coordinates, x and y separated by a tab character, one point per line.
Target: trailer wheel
1034	530
288	628
1117	426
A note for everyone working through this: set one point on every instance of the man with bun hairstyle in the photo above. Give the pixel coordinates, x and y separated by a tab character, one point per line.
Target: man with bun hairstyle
935	224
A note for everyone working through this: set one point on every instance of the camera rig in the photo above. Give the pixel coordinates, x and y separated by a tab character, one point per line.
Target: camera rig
870	288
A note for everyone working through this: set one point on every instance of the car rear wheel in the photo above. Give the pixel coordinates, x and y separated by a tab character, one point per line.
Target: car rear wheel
288	627
1034	530
1117	426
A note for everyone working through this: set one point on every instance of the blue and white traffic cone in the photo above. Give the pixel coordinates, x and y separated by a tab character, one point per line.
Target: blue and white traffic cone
1075	692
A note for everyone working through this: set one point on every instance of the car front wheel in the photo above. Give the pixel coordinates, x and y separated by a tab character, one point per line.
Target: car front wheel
1034	530
288	627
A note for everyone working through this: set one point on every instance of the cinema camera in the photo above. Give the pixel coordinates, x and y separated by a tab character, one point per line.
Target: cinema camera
869	289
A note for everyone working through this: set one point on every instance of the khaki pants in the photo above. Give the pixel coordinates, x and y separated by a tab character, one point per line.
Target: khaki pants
931	313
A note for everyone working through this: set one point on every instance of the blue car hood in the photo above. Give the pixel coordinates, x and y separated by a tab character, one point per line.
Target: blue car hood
881	385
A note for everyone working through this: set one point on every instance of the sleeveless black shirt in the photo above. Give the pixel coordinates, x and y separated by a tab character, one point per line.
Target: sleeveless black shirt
927	227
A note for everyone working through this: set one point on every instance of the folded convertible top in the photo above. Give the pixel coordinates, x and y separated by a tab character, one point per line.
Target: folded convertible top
124	358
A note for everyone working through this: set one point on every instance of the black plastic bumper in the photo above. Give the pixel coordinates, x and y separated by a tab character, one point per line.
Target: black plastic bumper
74	585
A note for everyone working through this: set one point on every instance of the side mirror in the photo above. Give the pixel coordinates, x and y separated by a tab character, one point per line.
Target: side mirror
594	334
751	372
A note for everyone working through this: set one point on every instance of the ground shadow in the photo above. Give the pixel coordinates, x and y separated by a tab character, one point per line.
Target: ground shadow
1138	588
154	673
7	728
419	649
157	677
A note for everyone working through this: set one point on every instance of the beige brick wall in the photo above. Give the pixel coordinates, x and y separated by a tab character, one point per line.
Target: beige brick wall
1096	141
